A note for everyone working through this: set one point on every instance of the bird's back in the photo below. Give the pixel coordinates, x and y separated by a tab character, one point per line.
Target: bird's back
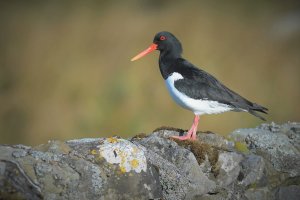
198	84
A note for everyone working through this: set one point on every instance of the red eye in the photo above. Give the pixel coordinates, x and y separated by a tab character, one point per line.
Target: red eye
162	37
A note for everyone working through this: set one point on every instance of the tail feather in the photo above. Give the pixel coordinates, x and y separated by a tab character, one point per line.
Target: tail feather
256	115
258	108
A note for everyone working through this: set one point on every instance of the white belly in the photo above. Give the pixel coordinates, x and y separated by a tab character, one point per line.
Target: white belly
198	106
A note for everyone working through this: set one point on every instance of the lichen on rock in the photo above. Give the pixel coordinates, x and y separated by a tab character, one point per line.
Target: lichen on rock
258	163
124	153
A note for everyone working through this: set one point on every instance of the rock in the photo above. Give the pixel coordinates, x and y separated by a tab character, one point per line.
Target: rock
216	141
156	167
273	144
252	170
229	170
57	171
291	192
15	183
259	194
179	171
291	130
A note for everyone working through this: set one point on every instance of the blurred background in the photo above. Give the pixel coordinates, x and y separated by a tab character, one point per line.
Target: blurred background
65	69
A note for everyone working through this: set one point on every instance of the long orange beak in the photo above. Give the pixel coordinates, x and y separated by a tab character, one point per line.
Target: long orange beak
145	52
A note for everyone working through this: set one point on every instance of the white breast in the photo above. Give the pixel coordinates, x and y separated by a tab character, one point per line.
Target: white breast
198	106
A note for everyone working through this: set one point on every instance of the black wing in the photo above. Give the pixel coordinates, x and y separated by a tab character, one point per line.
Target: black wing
198	84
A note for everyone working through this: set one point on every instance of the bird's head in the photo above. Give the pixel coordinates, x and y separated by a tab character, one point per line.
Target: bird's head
164	42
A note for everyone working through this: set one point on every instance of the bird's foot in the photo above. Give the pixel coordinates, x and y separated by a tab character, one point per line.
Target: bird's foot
192	133
183	137
189	136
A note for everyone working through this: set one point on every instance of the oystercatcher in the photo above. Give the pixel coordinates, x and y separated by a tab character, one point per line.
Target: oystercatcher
191	87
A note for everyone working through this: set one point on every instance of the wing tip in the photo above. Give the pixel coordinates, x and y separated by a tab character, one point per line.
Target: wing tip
257	115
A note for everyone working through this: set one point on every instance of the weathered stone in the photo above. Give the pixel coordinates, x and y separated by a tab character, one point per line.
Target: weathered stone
157	167
229	163
290	129
15	184
259	194
180	174
19	153
274	146
252	170
291	192
63	173
216	140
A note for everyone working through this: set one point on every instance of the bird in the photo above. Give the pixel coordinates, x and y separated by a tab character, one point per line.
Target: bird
193	88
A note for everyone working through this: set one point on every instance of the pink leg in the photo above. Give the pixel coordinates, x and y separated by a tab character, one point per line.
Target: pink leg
196	121
191	134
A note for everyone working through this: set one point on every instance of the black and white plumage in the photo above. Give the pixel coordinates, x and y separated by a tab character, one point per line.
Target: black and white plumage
193	88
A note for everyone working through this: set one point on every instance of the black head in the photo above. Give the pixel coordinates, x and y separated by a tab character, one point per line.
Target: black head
166	43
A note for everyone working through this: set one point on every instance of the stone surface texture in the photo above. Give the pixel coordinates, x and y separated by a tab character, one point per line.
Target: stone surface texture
257	163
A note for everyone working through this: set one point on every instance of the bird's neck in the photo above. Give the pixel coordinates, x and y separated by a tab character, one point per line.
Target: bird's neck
167	62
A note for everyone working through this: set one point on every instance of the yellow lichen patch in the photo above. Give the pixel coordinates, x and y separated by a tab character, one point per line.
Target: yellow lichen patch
112	140
122	169
134	163
241	147
94	152
127	155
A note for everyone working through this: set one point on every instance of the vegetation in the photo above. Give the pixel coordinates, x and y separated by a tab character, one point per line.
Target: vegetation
65	69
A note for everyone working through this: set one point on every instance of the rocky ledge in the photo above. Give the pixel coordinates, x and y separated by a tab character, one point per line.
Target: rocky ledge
256	163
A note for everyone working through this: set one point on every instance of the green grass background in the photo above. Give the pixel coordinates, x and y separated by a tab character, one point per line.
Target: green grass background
65	69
